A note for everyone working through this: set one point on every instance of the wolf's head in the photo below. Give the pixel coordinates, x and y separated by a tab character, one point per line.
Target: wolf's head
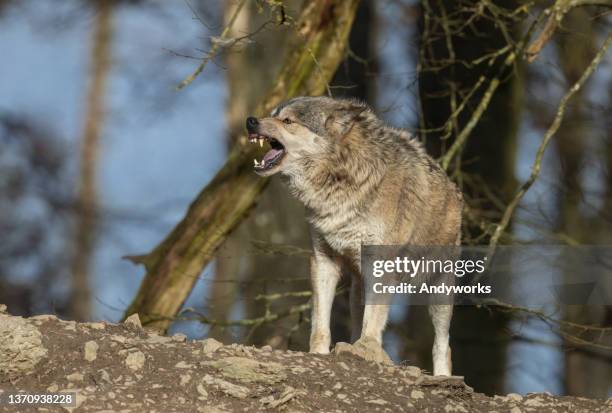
304	128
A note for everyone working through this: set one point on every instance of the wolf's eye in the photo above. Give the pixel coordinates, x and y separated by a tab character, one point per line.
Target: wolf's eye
287	121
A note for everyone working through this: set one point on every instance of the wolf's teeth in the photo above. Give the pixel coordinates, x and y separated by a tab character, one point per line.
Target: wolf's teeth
255	162
263	163
261	142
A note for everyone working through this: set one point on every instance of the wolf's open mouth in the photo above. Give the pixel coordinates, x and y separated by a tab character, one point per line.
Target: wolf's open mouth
273	157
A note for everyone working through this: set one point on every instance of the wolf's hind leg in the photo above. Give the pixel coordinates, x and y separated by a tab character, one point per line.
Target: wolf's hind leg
325	273
441	317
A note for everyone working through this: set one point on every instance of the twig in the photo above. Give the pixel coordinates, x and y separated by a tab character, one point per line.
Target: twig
486	98
537	164
482	106
213	50
557	11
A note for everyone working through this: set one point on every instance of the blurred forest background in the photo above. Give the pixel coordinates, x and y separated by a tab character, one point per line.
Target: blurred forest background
106	140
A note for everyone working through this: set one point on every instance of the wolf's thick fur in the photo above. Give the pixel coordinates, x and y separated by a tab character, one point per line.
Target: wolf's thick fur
362	182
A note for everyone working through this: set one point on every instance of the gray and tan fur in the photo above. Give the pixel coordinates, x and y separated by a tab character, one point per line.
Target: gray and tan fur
362	182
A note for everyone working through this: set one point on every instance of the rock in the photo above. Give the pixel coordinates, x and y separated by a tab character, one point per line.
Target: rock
202	391
514	397
417	394
248	370
455	407
444	382
135	360
133	320
105	376
155	338
69	325
185	379
183	365
179	338
412	371
44	317
287	394
210	345
379	402
344	366
91	350
96	325
231	389
3	309
368	350
535	402
118	339
21	346
75	377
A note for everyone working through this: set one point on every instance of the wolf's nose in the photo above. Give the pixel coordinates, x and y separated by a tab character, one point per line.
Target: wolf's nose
251	123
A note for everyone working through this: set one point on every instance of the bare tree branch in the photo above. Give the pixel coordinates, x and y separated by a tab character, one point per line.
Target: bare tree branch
537	164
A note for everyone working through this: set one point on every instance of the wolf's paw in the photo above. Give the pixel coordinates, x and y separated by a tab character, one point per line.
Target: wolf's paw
319	350
367	349
319	345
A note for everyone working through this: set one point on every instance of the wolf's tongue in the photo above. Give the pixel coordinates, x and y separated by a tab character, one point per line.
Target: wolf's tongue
271	154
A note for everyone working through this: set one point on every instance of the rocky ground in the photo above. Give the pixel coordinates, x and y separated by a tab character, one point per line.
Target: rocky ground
123	368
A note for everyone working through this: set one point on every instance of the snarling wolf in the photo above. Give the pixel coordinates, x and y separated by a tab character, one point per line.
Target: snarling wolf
363	183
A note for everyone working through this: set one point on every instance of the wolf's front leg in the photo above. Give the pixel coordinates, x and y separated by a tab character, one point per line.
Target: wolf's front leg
324	275
374	321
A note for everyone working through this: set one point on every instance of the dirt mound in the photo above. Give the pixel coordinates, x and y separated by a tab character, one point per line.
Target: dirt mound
123	368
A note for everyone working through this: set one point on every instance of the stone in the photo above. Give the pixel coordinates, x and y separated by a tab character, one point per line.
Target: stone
231	389
133	320
417	394
91	350
248	370
185	379
412	371
44	317
379	402
369	350
135	360
202	391
455	407
21	346
75	377
210	345
179	338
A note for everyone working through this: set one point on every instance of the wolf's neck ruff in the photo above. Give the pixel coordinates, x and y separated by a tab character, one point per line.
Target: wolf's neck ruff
341	181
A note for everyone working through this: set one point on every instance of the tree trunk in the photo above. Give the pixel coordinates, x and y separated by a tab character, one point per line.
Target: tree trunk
86	205
277	218
174	265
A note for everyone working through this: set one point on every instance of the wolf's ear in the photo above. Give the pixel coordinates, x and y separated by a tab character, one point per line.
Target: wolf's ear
341	121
